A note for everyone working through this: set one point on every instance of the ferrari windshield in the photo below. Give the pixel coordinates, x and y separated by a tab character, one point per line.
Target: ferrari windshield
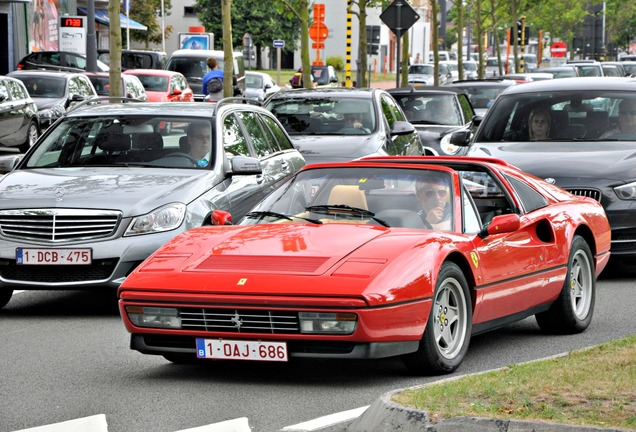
566	116
386	197
143	140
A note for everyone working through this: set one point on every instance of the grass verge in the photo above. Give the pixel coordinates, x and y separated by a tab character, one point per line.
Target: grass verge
593	387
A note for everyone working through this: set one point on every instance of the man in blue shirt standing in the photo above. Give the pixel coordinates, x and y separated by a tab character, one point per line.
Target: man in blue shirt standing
212	85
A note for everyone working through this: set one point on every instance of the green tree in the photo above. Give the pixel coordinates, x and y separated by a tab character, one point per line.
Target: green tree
459	27
299	9
148	12
563	19
114	45
256	17
435	37
361	12
228	50
620	23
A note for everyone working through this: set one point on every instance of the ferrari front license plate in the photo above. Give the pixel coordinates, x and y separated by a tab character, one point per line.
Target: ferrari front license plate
221	349
50	256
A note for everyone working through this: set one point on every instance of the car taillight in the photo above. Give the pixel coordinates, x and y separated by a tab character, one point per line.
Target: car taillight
20	66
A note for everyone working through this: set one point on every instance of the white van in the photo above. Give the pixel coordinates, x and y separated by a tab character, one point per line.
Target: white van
443	56
192	63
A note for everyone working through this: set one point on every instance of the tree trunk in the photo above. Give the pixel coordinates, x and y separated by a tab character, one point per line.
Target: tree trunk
114	45
228	67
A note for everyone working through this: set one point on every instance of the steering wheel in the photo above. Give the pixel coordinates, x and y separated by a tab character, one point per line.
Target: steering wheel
182	155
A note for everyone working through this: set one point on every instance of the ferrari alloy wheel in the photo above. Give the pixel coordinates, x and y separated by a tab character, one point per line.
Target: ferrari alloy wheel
447	335
5	296
573	309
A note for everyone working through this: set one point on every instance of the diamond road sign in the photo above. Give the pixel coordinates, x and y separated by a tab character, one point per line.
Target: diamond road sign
399	16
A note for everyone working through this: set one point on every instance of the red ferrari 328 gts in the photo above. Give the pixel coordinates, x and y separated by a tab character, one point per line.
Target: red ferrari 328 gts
379	257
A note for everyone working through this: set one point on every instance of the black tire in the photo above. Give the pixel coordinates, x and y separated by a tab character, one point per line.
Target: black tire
5	296
449	326
32	137
572	311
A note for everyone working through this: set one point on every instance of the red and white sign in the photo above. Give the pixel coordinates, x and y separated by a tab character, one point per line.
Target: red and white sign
558	49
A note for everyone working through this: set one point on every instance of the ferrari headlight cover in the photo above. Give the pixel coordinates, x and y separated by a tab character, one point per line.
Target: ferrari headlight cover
155	317
627	191
164	218
327	323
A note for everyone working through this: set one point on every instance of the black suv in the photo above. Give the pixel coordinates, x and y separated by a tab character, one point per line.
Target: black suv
57	60
136	59
435	112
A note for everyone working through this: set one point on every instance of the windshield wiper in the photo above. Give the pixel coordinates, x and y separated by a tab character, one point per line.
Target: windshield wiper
339	207
262	214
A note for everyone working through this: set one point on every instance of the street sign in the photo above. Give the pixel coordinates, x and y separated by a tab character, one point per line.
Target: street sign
318	32
279	43
247	40
72	34
399	16
558	49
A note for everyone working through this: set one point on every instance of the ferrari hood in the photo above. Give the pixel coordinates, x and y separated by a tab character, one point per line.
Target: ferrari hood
558	159
292	259
132	190
337	148
272	248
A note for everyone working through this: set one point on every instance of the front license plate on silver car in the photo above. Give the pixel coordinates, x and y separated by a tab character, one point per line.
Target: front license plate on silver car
222	349
51	256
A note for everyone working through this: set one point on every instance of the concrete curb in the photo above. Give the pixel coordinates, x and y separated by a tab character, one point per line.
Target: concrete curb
384	415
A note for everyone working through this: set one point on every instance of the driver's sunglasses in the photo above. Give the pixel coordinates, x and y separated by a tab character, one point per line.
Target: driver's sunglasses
431	193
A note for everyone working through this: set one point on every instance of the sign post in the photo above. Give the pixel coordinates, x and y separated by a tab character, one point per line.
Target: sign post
558	50
399	16
278	44
247	49
72	34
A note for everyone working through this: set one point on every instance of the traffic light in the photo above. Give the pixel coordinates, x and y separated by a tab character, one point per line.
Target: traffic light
373	39
526	33
373	34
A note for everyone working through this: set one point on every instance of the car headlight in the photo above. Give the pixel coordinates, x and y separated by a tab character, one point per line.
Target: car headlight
156	317
626	192
447	147
51	113
164	218
327	323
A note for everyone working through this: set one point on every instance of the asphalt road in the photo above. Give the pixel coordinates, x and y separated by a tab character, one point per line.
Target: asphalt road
65	355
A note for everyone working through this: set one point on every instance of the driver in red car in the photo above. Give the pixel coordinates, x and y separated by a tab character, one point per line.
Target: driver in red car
433	193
